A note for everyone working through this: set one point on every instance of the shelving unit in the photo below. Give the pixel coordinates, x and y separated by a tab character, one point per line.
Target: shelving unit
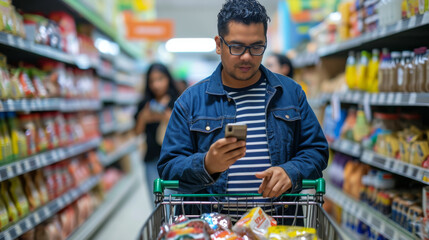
47	211
112	200
347	147
44	159
49	104
120	152
366	214
416	25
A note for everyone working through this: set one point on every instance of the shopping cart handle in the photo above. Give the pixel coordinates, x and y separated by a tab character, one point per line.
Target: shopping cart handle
159	185
318	184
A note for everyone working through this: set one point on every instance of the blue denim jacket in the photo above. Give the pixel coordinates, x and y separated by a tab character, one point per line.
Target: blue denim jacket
295	139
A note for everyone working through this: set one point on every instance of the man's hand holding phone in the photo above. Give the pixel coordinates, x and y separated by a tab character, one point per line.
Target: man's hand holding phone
226	151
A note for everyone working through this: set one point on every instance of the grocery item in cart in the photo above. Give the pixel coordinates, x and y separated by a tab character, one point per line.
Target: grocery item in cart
217	221
254	224
225	235
291	232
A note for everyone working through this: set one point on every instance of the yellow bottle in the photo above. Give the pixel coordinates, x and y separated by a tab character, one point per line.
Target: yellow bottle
373	72
362	71
351	71
6	140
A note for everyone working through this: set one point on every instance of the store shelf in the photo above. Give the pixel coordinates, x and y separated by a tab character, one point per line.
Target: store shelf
120	152
396	166
127	99
305	60
29	47
47	211
347	147
44	159
394	35
368	215
112	200
111	127
100	23
379	99
49	104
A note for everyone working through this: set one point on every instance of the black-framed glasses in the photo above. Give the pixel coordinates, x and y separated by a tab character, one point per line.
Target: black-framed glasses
238	49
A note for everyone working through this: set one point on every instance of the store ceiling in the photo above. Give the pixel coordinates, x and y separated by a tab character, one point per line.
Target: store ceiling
198	18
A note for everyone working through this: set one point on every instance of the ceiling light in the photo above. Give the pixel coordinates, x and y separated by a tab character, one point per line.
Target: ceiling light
190	45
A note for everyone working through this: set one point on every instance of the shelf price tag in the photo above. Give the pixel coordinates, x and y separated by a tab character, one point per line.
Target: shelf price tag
10	40
36	218
18	168
21	43
398	26
425	19
390	98
47	212
27	166
425	176
356	97
18	230
412	22
398	98
413	98
382	98
391	165
9	171
28	224
7	236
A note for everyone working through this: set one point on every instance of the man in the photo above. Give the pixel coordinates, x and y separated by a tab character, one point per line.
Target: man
285	143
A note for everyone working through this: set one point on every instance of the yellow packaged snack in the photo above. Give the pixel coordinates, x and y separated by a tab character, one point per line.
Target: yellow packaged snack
4	217
392	146
291	232
254	223
18	197
11	209
31	192
419	152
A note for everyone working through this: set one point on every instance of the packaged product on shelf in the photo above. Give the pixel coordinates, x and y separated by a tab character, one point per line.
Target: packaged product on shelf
12	211
40	184
29	235
31	192
18	196
56	82
362	71
60	187
420	69
393	73
67	28
373	71
49	125
4	217
36	76
27	86
42	138
426	70
50	229
254	223
290	232
353	173
16	88
361	128
351	71
94	163
383	77
5	84
51	184
6	140
349	123
68	220
19	141
29	129
419	152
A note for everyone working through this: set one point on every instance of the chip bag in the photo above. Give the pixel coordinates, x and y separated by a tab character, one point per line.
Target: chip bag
291	232
225	235
217	221
254	224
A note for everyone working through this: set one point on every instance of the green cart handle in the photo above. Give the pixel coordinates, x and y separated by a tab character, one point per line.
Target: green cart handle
318	184
159	185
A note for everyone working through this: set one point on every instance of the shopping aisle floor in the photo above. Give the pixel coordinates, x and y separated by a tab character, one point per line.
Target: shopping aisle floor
126	221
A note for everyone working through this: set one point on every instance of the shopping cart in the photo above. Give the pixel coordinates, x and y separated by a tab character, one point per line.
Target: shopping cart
313	215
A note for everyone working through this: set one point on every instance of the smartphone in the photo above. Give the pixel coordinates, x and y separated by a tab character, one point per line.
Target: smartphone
236	130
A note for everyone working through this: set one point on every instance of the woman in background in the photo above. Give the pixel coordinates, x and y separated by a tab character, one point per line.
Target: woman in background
279	63
153	113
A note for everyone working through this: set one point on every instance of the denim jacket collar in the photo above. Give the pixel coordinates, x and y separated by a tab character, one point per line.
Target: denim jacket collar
215	86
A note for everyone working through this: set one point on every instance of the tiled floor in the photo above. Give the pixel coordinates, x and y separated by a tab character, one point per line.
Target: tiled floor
126	221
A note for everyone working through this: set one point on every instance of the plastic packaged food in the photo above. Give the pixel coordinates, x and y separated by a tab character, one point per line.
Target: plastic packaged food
5	85
27	86
254	223
6	142
16	89
31	192
19	141
18	196
291	232
49	124
224	235
4	217
10	205
60	129
217	221
41	186
42	139
29	129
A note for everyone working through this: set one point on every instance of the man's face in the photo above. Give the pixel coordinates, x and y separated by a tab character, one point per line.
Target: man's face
243	70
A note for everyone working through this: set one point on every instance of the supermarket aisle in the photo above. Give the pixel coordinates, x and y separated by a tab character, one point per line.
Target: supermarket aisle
126	221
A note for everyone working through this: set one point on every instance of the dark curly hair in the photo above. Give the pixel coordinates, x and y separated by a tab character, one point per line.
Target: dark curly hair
242	11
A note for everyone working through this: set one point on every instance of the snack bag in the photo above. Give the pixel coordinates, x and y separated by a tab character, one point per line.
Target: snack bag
217	221
254	224
290	232
191	229
225	235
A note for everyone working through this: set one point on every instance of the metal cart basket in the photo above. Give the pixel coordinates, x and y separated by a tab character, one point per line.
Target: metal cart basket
313	215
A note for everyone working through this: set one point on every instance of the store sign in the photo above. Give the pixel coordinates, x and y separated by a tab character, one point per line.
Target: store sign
150	30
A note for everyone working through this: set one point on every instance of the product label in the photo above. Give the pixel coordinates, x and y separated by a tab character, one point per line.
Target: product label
400	77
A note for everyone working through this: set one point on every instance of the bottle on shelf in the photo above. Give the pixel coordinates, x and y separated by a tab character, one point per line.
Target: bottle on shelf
402	72
351	71
6	140
426	70
395	63
410	72
383	77
373	71
420	70
362	71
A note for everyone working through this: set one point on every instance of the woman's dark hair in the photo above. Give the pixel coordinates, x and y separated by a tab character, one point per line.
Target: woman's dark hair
283	60
172	90
242	11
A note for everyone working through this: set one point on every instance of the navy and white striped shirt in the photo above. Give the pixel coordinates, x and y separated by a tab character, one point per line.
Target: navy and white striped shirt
250	102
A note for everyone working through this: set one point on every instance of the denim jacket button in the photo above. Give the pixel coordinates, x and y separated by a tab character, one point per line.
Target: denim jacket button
215	206
208	128
287	116
229	99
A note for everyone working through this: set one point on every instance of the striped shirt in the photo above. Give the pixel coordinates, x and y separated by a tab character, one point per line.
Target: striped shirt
250	102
